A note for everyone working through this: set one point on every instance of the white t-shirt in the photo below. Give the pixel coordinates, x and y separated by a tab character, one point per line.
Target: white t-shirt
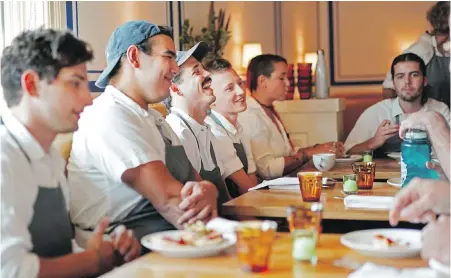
269	145
201	154
424	48
115	134
227	135
20	183
388	109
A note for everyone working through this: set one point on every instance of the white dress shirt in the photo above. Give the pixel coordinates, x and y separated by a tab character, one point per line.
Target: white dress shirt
20	182
424	48
227	135
388	109
269	145
114	134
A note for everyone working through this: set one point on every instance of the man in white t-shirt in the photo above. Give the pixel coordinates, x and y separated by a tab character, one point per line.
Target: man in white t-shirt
230	92
126	162
377	127
191	97
434	48
45	85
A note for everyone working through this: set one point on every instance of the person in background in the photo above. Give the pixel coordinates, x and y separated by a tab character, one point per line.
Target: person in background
230	92
191	97
273	151
377	128
433	47
45	85
126	162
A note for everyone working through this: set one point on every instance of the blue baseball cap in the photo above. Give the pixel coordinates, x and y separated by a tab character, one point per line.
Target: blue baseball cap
198	52
129	33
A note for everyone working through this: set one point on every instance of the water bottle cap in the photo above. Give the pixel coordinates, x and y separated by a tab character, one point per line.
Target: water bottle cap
415	134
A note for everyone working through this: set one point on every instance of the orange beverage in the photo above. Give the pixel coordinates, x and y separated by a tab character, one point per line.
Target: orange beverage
305	217
310	184
365	172
254	244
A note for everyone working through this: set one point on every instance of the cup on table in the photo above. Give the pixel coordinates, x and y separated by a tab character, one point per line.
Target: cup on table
305	227
365	172
254	244
324	161
367	156
310	184
350	184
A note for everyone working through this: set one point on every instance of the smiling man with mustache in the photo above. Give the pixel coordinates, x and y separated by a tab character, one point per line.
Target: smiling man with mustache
377	127
189	103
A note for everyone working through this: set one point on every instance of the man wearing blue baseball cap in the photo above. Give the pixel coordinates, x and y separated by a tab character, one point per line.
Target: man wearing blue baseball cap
189	103
126	162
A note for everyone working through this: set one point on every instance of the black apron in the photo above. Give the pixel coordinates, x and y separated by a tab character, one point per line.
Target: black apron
50	228
214	176
438	78
241	153
392	144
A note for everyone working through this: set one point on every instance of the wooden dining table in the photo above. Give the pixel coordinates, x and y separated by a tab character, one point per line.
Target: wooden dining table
273	203
386	168
329	252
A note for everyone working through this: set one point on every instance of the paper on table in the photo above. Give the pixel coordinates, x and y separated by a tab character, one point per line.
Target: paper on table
279	183
371	270
369	202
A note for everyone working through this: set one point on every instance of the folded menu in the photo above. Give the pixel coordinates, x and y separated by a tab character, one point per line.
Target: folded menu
369	202
280	183
371	270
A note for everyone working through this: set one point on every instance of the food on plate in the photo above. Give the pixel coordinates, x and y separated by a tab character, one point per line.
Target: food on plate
196	234
381	241
344	156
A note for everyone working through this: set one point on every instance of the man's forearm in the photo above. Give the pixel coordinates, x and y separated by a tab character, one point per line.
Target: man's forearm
439	135
85	264
243	181
360	148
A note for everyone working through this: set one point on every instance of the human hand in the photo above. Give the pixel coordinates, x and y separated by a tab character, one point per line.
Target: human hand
420	120
329	147
104	248
384	131
436	239
420	200
199	202
126	243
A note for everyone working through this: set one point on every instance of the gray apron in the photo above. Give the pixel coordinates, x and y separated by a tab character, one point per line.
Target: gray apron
438	78
213	176
50	228
392	144
241	153
144	218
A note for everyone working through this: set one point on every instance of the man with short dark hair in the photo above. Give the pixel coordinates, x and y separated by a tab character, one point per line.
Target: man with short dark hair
377	127
45	84
126	162
230	92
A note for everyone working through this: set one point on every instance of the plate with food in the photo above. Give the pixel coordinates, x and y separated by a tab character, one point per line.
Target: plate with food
390	243
195	240
395	155
348	158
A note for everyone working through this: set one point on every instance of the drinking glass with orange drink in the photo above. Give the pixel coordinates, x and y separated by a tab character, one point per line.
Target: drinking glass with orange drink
310	184
365	172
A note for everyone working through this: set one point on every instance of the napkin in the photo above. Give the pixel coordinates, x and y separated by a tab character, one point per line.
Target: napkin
371	270
369	202
280	183
222	225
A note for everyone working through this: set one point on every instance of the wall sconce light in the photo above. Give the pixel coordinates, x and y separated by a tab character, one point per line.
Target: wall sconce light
311	58
250	50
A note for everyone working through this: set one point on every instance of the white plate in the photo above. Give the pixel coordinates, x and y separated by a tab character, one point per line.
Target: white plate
441	269
396	182
154	243
353	158
361	241
396	156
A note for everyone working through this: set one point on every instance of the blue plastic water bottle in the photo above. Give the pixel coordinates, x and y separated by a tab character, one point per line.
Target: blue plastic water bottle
415	152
